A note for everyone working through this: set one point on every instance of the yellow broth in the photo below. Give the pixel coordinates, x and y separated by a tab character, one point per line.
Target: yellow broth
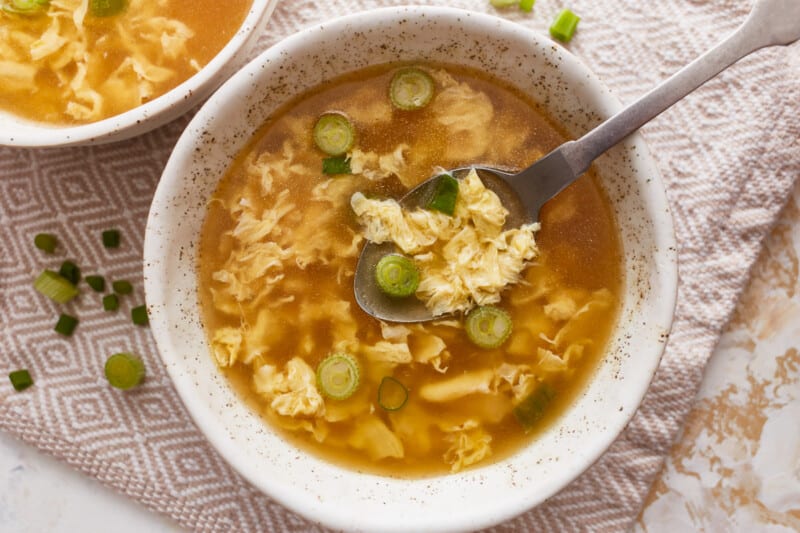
62	67
580	258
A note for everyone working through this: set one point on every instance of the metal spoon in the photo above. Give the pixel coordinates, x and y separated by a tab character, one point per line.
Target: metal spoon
771	22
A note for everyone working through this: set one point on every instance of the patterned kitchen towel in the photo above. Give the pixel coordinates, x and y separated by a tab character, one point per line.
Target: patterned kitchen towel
729	155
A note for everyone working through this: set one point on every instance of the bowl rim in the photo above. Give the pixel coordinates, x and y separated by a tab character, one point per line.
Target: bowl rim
316	511
150	115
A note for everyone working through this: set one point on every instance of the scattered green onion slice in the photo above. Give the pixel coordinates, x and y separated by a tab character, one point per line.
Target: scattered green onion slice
338	376
503	3
526	5
563	28
20	379
411	88
532	408
397	275
334	134
106	8
124	370
66	325
487	326
70	272
445	194
122	286
55	287
110	302
336	165
26	7
98	283
139	315
46	242
111	238
392	395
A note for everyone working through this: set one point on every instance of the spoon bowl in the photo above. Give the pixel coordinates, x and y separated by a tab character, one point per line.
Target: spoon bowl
405	310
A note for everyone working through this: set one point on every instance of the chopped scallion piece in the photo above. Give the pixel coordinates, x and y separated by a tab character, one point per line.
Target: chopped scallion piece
56	287
106	8
445	194
110	302
487	326
336	165
338	376
139	315
411	88
526	5
70	272
122	286
334	134
124	370
25	7
46	242
392	395
66	324
98	283
563	27
397	275
503	3
20	379
111	238
532	408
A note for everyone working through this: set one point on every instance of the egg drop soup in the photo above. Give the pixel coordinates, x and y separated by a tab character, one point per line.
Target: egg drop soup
279	248
71	62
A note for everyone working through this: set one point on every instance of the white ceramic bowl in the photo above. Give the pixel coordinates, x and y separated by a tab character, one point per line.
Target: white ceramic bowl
479	497
15	131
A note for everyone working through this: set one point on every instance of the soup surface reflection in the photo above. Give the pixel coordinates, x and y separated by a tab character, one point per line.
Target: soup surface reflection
279	247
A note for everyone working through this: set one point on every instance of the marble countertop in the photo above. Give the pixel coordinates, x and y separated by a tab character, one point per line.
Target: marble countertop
735	467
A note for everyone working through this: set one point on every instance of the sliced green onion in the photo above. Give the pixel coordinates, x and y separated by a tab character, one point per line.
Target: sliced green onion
124	370
411	88
66	325
46	242
110	302
445	194
533	407
122	286
392	395
336	165
503	3
487	326
338	376
397	275
334	134
106	8
70	272
139	315
111	238
564	26
55	287
526	5
25	7
20	379
98	283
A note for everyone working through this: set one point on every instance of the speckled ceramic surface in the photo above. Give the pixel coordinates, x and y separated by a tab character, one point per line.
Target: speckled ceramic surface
17	132
344	499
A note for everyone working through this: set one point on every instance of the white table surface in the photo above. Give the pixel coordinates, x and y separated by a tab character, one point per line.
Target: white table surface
39	494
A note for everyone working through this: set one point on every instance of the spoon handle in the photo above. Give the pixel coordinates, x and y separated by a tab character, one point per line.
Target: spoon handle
771	22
